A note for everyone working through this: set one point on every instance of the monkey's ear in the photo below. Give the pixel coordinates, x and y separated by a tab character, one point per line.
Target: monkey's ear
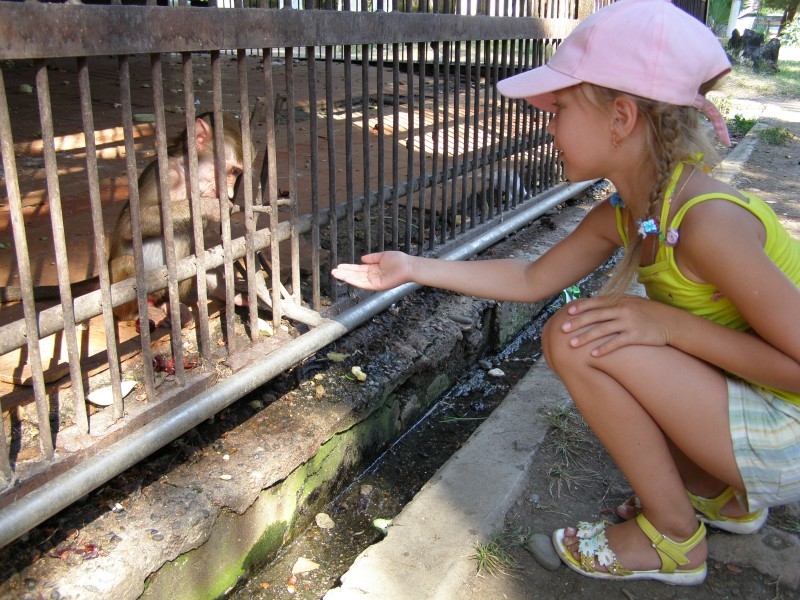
203	134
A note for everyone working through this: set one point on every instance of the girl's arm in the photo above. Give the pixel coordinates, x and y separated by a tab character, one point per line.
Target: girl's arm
721	244
731	256
591	243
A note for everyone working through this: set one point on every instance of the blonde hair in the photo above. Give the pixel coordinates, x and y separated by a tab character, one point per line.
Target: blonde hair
674	134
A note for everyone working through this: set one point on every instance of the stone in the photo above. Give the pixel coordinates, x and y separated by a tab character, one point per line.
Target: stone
324	521
540	546
304	565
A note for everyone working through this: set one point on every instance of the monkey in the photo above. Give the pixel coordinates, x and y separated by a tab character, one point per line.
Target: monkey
121	260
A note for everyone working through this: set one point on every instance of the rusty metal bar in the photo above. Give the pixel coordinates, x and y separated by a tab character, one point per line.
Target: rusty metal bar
291	142
436	135
395	144
366	105
136	226
481	125
165	193
204	335
38	30
468	215
446	170
409	216
314	164
251	263
271	190
60	244
457	122
381	106
25	279
222	193
421	65
331	144
348	150
98	228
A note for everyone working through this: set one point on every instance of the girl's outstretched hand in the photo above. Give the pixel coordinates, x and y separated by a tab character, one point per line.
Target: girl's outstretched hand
378	271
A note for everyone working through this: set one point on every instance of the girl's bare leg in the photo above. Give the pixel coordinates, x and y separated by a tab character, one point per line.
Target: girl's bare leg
642	402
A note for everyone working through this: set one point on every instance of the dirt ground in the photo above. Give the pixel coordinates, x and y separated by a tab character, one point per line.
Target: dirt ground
563	489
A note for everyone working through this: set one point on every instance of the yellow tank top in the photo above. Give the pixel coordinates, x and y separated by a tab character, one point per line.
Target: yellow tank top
665	283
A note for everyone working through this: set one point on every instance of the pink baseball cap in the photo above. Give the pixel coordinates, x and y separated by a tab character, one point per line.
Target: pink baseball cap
648	48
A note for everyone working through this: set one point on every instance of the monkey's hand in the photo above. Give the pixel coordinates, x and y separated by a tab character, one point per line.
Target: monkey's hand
210	207
379	271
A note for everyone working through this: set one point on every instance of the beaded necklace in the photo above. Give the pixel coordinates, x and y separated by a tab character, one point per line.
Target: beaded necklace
652	225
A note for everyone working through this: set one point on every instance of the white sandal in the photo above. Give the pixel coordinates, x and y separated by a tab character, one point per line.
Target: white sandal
594	550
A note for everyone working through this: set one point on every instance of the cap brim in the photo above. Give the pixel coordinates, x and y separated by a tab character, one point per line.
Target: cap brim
537	86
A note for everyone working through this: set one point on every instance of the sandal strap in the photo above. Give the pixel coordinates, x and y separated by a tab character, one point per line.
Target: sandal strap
711	507
672	553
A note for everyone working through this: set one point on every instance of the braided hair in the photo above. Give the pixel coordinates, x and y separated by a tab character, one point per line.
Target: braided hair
674	134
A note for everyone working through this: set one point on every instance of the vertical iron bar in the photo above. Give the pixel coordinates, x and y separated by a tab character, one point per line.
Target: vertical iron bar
314	164
423	177
435	137
333	226
60	243
197	221
458	123
99	233
271	189
381	217
365	145
467	215
498	135
166	215
136	226
348	148
246	182
395	145
445	141
292	149
222	192
507	125
489	135
410	147
25	279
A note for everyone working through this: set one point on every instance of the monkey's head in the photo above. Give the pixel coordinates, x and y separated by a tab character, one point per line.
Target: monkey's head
232	134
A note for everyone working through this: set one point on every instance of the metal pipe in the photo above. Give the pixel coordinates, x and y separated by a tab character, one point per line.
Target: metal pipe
19	517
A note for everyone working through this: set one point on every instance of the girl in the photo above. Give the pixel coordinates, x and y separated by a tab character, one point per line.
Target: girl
694	391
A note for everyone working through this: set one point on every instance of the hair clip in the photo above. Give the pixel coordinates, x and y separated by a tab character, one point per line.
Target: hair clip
648	227
671	238
616	201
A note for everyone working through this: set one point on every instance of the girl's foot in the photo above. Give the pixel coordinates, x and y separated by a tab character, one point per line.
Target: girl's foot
632	550
722	512
726	512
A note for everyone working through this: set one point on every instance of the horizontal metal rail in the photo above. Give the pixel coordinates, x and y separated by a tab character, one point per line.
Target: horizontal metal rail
34	30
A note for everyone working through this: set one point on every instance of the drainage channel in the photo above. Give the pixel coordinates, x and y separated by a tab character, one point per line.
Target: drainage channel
352	521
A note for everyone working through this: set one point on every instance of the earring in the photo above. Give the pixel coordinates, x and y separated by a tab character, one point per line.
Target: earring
614	140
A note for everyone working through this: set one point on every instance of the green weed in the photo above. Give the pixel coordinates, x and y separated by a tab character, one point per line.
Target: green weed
738	126
775	136
494	558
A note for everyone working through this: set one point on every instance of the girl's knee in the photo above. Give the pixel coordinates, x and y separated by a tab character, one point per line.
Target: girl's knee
555	343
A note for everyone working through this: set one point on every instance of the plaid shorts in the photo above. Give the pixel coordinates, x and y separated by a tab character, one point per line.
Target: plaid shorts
765	431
